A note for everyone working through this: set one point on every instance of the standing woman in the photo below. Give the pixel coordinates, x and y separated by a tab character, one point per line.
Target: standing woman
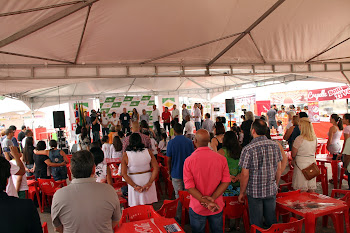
303	153
28	156
136	164
334	134
245	127
216	142
135	115
84	139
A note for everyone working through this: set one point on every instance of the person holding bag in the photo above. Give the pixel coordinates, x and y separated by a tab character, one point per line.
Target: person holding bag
303	153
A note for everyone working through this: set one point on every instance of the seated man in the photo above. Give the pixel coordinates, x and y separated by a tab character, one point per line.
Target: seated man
85	205
16	215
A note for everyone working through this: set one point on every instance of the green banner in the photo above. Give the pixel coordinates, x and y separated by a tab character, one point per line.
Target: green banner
128	98
116	104
109	99
146	97
105	109
134	103
151	103
2	97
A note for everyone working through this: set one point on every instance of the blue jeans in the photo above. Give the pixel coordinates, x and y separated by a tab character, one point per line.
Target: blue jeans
178	185
95	136
198	222
260	209
105	131
198	125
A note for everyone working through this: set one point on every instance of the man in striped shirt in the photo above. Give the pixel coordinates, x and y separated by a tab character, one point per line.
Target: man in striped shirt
261	171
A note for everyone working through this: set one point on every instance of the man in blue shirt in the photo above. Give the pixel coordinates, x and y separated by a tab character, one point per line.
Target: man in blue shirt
178	150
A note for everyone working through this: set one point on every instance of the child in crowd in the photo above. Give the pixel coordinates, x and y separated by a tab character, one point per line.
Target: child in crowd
279	127
163	143
172	132
116	148
102	171
106	147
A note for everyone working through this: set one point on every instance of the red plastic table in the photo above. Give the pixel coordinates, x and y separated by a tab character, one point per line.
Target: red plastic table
326	158
277	138
148	225
114	160
314	205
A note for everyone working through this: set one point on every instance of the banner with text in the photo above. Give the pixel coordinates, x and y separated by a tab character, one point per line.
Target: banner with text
313	112
332	93
289	97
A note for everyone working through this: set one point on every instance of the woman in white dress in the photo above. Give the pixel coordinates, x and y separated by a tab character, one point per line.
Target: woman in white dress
334	134
303	153
116	148
136	170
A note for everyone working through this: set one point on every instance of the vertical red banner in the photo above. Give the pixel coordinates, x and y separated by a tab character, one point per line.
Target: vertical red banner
314	112
262	107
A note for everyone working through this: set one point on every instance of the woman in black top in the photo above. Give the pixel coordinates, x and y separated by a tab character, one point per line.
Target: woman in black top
216	142
245	127
42	161
28	153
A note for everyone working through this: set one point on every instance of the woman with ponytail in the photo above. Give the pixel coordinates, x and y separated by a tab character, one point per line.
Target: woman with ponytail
334	134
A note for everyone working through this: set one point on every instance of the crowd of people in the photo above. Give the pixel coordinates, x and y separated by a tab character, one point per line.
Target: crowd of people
210	163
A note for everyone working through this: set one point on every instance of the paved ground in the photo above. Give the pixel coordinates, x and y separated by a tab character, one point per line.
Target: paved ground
45	217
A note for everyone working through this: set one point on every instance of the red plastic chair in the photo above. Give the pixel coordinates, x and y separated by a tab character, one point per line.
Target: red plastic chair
168	209
282	212
287	178
294	226
342	176
137	213
48	188
33	190
185	202
69	173
44	226
170	188
233	210
323	179
165	174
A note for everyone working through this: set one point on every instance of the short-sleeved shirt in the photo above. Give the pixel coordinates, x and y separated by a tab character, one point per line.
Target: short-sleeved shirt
346	130
208	125
20	136
185	113
105	120
178	150
145	140
155	115
293	136
125	119
114	120
85	206
197	115
95	127
189	127
144	118
175	113
88	120
10	188
5	145
14	141
205	170
41	166
271	114
166	117
261	157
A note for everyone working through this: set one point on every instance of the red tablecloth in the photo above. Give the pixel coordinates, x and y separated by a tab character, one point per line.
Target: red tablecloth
148	225
313	205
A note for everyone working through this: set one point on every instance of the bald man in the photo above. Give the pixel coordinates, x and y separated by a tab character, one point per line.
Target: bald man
135	128
206	177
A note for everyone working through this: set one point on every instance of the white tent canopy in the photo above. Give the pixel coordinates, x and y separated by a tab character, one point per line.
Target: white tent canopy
80	49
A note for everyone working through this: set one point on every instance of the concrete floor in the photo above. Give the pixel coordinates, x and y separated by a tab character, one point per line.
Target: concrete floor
45	217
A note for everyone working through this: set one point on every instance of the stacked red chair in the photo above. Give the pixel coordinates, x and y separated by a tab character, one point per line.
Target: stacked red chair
48	188
168	209
137	213
235	210
294	226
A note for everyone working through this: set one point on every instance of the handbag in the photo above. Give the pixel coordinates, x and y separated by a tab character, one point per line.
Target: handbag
310	172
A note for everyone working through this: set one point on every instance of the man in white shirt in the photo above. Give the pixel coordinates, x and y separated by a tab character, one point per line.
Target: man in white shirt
114	120
105	123
189	128
175	114
197	117
144	116
208	124
156	118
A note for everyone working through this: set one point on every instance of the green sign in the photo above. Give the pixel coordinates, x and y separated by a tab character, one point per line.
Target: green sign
134	103
116	104
149	113
151	103
146	97
2	97
109	99
105	109
166	99
128	98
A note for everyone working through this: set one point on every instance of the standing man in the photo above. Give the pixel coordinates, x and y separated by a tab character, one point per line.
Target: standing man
21	135
166	118
206	177
261	171
95	126
185	113
271	117
144	116
135	128
7	143
28	133
175	114
125	121
85	205
197	117
14	139
156	119
178	150
208	124
114	120
87	123
105	123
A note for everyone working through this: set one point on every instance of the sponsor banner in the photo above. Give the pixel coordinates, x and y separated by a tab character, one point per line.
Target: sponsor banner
128	98
332	93
289	97
245	102
262	107
313	112
168	102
